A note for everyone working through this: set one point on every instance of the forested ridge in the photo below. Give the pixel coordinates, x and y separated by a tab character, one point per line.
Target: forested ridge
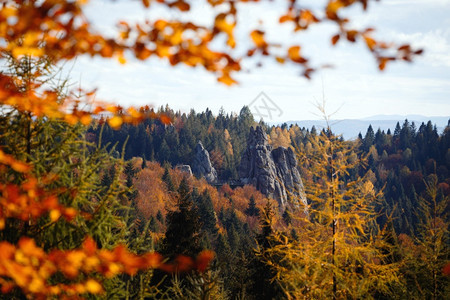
224	136
403	166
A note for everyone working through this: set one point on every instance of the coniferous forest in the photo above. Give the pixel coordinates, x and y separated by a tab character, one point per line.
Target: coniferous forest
102	201
399	180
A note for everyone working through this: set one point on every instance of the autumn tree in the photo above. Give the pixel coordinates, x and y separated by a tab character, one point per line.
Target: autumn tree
338	253
279	137
63	39
425	255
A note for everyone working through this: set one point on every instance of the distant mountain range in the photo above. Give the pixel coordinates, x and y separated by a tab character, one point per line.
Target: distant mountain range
350	128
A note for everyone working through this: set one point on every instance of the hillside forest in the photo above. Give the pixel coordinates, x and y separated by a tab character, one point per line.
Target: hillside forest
376	227
400	217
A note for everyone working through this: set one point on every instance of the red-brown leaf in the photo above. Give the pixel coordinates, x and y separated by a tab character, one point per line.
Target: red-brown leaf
335	39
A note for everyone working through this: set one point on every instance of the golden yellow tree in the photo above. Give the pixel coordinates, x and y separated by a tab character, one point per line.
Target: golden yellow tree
279	137
339	252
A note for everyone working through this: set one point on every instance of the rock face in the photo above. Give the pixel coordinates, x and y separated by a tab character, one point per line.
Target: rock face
185	168
272	171
201	166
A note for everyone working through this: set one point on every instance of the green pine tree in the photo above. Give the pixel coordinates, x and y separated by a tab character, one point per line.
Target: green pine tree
263	283
183	226
252	210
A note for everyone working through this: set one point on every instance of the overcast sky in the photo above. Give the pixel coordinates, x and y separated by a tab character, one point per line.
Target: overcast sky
354	85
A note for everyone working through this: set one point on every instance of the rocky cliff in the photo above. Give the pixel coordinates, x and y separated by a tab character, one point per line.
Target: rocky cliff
185	168
201	166
272	171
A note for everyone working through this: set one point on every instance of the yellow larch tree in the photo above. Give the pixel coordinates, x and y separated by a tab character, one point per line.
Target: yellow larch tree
339	253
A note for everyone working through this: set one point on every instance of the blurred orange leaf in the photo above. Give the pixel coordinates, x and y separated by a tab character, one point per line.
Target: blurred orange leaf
258	38
227	79
294	54
166	120
335	39
371	43
204	259
115	122
351	35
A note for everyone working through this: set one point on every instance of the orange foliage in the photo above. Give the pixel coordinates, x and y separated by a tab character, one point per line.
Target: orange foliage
446	270
30	268
47	103
241	196
153	195
226	189
218	199
30	200
216	159
178	175
16	165
239	199
229	146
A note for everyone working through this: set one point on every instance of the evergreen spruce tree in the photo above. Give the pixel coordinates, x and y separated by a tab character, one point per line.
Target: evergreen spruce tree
263	272
130	174
153	225
160	217
207	214
369	139
168	180
234	239
397	129
183	235
252	210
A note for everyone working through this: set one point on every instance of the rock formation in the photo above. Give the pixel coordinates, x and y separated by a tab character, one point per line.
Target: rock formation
201	166
272	171
185	168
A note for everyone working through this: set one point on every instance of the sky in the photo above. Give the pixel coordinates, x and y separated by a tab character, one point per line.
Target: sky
352	89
